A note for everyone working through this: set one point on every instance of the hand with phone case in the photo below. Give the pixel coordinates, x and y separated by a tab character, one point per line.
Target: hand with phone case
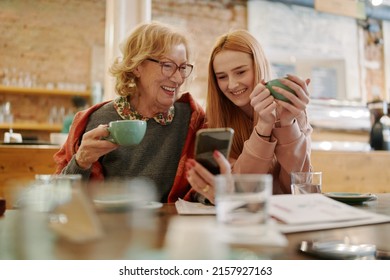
211	157
207	141
202	180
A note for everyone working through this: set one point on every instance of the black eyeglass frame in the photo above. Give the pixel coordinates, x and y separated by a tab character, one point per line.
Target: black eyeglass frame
178	67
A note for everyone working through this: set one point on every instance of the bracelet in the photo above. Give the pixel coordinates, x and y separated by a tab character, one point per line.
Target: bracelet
265	136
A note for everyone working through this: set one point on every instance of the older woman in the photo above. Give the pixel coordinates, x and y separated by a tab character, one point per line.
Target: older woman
155	63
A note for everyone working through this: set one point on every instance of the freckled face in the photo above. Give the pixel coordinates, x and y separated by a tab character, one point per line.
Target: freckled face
235	76
157	91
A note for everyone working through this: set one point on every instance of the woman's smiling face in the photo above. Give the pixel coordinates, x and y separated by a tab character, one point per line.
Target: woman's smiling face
235	76
156	90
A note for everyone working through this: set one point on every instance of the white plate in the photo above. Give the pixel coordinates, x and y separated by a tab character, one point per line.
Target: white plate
351	198
120	203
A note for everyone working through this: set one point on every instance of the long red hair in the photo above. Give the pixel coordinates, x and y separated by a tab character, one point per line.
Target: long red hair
220	111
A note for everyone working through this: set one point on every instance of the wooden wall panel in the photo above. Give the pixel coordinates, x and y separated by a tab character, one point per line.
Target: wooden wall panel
353	171
19	164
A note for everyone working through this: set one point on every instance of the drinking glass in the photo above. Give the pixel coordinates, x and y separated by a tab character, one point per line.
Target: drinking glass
306	182
242	199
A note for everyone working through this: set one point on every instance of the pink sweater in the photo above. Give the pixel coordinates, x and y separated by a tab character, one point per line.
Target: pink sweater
289	150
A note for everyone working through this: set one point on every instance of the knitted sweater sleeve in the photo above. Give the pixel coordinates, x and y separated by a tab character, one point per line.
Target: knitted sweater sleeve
289	150
64	156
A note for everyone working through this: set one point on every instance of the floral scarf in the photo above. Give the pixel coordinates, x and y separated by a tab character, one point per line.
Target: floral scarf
128	112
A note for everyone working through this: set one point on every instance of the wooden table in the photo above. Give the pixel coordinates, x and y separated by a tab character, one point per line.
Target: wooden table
120	241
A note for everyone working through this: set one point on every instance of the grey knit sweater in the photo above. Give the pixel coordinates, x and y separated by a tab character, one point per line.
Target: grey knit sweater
156	157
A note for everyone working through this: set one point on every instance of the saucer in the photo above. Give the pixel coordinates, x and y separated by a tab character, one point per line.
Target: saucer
351	198
150	205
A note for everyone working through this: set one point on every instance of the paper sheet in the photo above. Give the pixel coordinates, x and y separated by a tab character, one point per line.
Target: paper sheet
316	211
312	208
297	213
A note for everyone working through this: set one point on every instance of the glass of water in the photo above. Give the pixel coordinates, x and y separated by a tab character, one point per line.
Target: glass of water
242	199
306	182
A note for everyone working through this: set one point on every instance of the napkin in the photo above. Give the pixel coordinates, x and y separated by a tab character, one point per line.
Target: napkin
193	208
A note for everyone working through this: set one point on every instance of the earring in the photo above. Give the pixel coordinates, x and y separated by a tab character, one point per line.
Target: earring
132	83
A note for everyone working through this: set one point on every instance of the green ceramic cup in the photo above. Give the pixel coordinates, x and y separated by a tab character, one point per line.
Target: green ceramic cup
126	132
275	94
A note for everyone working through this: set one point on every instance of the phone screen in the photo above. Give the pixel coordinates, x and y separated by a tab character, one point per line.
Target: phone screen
209	140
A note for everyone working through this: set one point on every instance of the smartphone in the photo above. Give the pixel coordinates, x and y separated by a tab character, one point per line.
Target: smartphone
210	139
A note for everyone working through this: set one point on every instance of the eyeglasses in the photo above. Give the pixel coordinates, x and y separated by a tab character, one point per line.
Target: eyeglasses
168	69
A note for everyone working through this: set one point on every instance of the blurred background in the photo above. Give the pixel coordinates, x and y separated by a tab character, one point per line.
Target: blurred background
66	46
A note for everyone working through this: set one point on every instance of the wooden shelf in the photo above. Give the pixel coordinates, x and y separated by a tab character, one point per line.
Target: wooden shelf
28	126
43	91
33	126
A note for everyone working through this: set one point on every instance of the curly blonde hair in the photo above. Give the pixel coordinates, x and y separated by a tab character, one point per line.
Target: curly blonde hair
147	40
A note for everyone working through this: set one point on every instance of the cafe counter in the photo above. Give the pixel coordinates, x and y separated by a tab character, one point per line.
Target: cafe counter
19	164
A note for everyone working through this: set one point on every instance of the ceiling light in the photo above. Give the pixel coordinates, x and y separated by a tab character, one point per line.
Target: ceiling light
376	2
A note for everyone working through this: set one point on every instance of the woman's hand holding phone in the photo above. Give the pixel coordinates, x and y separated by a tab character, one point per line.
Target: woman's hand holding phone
212	148
201	179
208	141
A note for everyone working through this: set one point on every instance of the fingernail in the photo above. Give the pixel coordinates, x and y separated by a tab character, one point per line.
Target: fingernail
217	153
191	162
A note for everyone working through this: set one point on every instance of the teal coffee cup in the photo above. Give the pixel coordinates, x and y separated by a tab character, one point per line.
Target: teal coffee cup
275	94
126	132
